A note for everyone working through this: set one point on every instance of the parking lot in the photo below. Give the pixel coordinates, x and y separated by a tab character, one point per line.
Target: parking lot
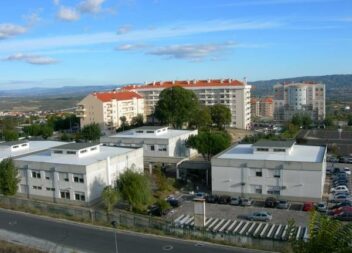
280	216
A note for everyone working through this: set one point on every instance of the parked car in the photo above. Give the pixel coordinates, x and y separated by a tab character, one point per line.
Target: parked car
211	198
308	206
321	207
283	204
175	202
224	199
199	195
246	202
344	216
340	210
341	198
340	188
341	204
270	202
236	201
347	170
259	216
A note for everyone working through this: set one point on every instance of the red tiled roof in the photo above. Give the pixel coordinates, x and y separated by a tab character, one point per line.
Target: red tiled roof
267	100
118	95
185	84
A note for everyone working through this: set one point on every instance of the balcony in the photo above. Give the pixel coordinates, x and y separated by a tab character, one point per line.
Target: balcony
80	108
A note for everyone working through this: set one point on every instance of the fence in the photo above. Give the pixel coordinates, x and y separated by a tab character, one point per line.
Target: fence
137	222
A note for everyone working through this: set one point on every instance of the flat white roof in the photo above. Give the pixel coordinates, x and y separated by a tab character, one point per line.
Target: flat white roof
104	153
34	146
299	153
170	133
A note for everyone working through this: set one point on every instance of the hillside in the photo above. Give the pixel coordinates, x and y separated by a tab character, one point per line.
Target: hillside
338	87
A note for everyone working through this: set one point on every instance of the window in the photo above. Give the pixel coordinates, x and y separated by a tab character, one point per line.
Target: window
24	145
279	150
256	189
263	149
58	151
277	173
15	146
152	147
71	152
258	173
92	149
47	175
50	189
36	187
64	176
139	131
150	132
275	190
78	178
36	174
162	147
83	151
80	196
65	194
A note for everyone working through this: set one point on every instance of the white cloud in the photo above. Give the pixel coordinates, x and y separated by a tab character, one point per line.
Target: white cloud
67	14
185	29
56	2
90	6
31	59
192	52
129	47
11	30
124	29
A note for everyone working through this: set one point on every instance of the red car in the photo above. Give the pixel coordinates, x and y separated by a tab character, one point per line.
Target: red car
342	209
308	206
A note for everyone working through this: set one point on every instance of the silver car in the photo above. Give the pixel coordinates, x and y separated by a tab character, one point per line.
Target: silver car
260	216
283	204
236	201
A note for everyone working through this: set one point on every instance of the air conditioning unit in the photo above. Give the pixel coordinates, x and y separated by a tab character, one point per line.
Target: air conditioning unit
283	187
243	183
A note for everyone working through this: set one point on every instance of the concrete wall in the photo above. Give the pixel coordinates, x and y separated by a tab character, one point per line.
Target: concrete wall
297	180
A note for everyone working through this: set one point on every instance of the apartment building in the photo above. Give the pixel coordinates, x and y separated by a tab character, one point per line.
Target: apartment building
106	108
281	169
74	173
232	93
305	97
262	107
160	144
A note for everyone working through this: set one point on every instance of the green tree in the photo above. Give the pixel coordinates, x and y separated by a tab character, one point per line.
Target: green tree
209	143
306	120
297	120
201	118
124	123
10	135
46	131
326	235
163	205
90	132
220	115
9	178
135	188
329	121
137	121
110	197
176	106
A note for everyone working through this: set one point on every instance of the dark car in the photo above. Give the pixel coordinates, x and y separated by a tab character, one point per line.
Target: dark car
175	202
341	204
224	199
155	210
344	216
270	202
211	198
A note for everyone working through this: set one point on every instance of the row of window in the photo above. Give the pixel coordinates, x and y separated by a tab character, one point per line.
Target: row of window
259	172
274	150
159	147
78	195
77	178
258	189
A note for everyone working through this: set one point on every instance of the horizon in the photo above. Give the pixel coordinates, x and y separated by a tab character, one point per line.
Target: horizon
101	42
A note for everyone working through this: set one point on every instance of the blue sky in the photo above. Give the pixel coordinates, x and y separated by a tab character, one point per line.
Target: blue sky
53	43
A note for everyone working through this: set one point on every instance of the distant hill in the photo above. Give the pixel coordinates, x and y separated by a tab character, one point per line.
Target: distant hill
62	91
338	87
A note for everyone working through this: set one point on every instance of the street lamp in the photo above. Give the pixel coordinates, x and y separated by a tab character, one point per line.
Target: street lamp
114	224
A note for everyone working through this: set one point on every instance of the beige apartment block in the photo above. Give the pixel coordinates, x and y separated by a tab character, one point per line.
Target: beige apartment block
305	97
232	93
262	107
106	108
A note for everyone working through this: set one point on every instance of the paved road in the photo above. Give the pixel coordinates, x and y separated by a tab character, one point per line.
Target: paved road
91	239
